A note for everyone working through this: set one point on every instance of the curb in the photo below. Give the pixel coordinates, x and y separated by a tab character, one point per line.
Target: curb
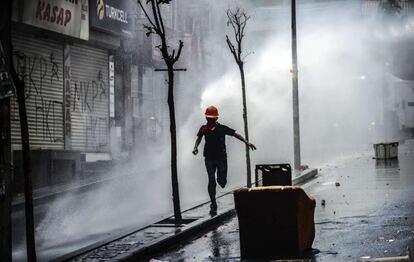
306	175
157	245
168	241
196	227
44	198
199	225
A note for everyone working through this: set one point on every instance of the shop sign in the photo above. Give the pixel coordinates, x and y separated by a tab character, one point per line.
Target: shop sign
112	16
111	87
68	17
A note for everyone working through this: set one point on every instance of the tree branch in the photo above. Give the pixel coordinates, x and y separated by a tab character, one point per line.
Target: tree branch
232	48
238	20
231	22
156	16
148	17
160	17
172	55
180	47
239	41
246	18
246	55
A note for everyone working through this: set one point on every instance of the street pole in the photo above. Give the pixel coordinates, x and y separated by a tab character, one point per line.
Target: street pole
295	92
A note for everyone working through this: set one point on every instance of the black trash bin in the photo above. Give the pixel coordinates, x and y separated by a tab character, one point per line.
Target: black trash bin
273	175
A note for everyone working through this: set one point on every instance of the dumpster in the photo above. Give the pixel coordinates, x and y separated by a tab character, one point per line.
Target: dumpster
386	150
274	221
273	175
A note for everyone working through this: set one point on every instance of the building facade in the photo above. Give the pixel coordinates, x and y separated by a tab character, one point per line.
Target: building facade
64	52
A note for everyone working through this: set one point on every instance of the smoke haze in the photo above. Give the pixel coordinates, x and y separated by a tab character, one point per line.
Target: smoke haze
341	78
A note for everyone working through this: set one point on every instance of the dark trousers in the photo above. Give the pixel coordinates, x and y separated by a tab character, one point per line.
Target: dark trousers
213	165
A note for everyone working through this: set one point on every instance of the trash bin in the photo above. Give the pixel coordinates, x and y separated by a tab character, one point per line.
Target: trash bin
274	221
273	175
386	150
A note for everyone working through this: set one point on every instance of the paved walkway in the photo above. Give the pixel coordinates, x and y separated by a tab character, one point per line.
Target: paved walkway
132	245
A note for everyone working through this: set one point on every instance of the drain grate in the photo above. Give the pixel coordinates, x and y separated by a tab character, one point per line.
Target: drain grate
170	222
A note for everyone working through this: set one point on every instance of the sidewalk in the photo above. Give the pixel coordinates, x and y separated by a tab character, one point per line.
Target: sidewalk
45	194
132	245
364	212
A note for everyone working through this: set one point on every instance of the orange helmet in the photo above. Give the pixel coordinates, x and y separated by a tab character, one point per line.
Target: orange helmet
211	112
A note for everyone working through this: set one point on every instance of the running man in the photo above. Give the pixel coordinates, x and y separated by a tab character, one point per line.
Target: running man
215	155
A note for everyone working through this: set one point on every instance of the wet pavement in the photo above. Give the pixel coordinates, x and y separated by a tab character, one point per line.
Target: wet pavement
164	233
368	212
133	244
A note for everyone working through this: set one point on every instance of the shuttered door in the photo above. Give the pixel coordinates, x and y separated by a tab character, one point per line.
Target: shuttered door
39	62
89	99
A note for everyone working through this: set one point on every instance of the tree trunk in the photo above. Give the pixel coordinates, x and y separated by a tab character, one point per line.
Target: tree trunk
246	126
5	182
173	132
28	194
5	147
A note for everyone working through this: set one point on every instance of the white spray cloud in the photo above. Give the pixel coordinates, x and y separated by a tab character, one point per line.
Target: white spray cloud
339	80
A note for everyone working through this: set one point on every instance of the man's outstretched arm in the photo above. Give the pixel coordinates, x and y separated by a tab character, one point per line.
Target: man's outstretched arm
197	142
241	138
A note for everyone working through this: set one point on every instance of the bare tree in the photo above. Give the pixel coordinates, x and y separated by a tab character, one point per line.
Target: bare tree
237	19
5	150
21	99
170	56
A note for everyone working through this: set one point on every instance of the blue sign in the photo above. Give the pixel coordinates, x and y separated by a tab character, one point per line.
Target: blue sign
111	16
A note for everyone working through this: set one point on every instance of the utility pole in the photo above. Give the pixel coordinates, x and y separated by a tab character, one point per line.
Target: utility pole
5	144
295	92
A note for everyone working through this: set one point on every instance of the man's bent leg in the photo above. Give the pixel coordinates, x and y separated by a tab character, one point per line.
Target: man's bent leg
222	172
211	167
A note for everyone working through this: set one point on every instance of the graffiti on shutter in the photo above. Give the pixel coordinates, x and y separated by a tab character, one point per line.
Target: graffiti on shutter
90	98
39	64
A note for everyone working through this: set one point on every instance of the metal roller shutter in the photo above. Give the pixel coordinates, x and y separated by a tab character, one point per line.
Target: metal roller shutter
39	62
89	99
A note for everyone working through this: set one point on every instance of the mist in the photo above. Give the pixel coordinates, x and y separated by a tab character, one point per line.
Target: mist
341	73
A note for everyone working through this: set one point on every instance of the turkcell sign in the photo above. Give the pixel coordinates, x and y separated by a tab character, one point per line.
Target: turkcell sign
111	16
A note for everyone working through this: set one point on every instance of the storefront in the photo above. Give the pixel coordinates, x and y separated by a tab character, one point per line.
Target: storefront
39	62
66	71
89	98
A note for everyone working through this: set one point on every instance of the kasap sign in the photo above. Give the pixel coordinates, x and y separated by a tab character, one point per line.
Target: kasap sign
111	16
69	17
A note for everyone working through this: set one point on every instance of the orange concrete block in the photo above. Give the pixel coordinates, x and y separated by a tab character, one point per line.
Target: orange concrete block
274	221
